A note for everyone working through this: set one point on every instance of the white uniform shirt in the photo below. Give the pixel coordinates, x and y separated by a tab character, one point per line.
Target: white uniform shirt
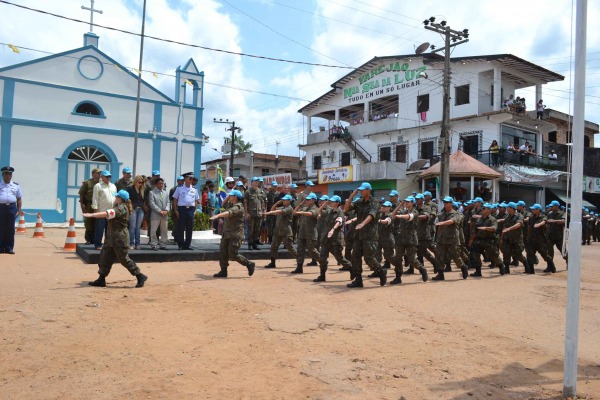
9	192
186	196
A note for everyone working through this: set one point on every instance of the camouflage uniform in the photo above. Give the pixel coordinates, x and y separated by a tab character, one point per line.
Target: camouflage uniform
424	235
463	252
386	238
538	242
307	235
233	235
116	244
512	242
349	237
485	242
447	242
271	219
283	232
406	244
555	232
253	199
365	243
86	191
332	245
122	184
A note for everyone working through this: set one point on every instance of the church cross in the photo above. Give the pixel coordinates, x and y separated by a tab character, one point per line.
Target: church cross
92	10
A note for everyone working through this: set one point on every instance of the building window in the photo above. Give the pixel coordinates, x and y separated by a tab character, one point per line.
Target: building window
317	163
288	171
88	109
345	159
401	153
385	153
492	95
427	150
423	103
552	136
470	144
461	95
265	171
88	153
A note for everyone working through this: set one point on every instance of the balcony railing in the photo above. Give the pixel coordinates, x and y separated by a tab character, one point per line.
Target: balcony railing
494	160
381	170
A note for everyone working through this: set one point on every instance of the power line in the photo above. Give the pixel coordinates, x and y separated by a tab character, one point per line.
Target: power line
175	41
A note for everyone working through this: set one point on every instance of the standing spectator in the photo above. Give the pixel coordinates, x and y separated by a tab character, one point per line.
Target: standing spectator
459	192
137	194
10	208
125	180
211	204
159	215
186	198
174	208
86	192
509	103
102	200
484	192
494	150
540	109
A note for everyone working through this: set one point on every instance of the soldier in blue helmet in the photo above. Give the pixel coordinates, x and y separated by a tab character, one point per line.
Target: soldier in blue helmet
555	229
116	243
331	238
386	234
538	243
484	240
307	231
512	239
447	239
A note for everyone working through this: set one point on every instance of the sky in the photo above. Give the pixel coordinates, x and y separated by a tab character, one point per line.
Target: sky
263	96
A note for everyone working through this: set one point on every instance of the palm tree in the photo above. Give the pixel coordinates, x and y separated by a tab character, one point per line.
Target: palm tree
241	146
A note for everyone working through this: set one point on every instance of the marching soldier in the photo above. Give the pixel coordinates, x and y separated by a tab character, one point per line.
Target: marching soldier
253	208
116	243
425	248
484	240
323	210
512	239
447	239
282	232
365	244
406	241
307	231
536	231
332	237
233	234
271	219
386	234
555	227
349	237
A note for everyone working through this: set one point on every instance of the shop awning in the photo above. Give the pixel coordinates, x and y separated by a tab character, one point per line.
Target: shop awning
565	198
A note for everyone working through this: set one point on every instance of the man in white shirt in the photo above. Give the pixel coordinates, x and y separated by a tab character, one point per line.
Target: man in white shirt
102	200
552	156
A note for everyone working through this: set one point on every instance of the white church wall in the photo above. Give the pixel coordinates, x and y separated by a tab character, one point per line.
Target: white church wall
1	91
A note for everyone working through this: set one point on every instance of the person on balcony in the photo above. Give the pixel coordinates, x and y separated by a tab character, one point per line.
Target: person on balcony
494	150
552	156
540	109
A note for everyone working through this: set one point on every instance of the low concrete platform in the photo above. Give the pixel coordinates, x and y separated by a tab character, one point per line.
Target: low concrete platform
202	251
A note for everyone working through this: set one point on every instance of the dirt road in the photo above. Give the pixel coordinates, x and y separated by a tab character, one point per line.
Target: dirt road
278	336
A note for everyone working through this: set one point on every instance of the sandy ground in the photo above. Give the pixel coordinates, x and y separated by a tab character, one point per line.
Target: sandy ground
188	336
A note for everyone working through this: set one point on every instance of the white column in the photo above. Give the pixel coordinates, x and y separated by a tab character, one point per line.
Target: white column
337	116
472	187
538	94
497	89
366	112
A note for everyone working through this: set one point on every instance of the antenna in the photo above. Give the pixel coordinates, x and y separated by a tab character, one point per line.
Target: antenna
422	47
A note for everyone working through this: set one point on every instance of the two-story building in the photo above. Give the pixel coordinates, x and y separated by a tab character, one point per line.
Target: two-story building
390	111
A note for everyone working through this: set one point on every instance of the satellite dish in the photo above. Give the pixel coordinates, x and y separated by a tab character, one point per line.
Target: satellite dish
422	48
418	164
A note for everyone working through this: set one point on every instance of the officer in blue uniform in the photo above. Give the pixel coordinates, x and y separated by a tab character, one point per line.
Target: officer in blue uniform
185	198
10	208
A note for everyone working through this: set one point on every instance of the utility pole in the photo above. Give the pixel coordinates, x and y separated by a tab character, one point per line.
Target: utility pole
277	157
456	37
233	129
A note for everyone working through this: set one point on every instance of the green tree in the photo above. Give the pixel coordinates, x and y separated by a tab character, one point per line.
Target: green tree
241	146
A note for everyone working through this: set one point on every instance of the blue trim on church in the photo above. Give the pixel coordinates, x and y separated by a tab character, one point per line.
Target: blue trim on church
157	142
8	96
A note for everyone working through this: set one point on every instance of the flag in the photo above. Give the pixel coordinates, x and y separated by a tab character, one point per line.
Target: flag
137	71
154	74
189	83
222	192
14	48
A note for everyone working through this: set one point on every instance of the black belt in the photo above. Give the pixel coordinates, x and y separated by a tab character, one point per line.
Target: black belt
8	204
186	206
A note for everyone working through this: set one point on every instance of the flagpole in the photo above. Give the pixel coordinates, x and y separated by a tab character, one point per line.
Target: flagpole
575	227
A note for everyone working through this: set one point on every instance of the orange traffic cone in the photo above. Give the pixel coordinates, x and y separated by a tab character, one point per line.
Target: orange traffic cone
39	227
71	242
21	226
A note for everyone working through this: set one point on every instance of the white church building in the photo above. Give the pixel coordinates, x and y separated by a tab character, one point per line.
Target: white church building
65	114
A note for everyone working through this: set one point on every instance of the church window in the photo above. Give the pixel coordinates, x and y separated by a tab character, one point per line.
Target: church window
88	108
88	153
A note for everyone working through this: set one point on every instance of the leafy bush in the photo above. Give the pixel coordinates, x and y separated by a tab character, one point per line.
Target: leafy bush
201	222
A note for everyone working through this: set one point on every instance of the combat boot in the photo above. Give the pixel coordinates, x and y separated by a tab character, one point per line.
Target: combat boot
551	267
373	274
271	264
250	267
477	272
255	246
529	268
410	270
439	276
320	278
397	280
465	271
100	282
141	279
507	268
298	270
501	269
356	283
386	264
220	274
313	263
424	274
448	267
382	277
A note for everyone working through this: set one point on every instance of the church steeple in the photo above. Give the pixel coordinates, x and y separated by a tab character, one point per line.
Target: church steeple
91	39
